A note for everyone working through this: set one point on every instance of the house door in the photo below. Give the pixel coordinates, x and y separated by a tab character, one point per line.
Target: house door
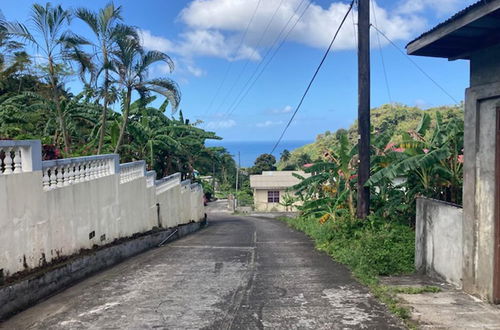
496	269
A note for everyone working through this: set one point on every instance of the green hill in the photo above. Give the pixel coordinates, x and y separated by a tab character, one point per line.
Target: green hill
397	118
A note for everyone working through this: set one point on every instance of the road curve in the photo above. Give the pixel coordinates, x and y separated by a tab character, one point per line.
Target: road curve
238	273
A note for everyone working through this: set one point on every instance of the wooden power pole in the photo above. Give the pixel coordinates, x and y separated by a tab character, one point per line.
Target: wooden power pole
363	205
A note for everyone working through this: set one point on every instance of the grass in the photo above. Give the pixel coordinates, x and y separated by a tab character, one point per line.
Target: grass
370	248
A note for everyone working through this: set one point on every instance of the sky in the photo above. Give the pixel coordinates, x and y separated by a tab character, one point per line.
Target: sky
220	46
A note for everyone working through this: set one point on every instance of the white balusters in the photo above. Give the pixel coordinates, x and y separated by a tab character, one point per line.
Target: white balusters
53	178
7	161
17	160
131	171
46	179
65	172
59	177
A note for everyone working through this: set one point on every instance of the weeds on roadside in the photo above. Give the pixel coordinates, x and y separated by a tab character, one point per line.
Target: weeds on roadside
370	248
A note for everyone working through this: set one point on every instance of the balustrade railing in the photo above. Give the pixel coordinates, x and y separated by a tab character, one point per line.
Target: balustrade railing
131	171
19	156
64	172
167	182
26	156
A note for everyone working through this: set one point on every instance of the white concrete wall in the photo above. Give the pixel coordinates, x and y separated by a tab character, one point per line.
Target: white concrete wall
39	224
438	241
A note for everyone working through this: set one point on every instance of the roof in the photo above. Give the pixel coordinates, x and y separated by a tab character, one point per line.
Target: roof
474	28
276	179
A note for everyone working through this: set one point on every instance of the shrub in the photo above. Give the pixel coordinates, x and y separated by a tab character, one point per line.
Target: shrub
369	247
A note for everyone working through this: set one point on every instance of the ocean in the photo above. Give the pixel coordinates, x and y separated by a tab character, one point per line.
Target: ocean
250	150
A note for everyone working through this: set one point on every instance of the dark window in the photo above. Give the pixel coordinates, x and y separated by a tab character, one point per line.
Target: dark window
273	196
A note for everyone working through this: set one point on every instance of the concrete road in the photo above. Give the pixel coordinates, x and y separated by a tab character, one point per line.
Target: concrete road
238	273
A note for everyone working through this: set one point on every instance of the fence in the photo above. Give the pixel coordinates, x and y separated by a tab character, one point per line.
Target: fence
56	208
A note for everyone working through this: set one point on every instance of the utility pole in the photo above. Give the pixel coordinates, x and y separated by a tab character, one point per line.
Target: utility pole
213	175
363	206
237	179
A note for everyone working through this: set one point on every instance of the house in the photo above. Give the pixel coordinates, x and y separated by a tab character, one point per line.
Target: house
464	245
270	189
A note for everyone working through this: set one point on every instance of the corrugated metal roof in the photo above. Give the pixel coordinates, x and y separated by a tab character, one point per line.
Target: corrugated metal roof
473	28
454	17
275	179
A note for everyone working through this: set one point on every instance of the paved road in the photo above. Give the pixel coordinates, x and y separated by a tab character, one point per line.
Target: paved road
238	273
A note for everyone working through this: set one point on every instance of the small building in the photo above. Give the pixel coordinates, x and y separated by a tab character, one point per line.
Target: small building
271	188
468	249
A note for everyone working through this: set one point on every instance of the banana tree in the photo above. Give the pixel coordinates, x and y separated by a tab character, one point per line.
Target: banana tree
432	157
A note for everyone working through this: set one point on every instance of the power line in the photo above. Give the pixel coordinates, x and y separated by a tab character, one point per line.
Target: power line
256	47
415	64
244	92
354	28
230	63
382	56
314	76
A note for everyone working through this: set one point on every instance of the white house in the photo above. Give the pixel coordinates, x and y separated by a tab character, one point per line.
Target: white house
270	187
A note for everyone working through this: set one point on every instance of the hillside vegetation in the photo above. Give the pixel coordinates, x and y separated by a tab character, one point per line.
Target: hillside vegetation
397	119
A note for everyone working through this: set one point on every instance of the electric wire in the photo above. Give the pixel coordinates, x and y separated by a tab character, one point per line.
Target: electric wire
228	68
382	57
313	77
261	38
415	64
244	92
354	28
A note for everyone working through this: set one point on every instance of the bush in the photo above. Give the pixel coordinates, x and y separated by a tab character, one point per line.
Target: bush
369	247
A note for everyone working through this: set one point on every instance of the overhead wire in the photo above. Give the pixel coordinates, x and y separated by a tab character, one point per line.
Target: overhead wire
389	94
228	68
246	89
354	28
242	71
415	64
313	77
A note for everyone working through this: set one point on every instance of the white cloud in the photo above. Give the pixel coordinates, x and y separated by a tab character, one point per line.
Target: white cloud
269	123
152	42
195	71
197	43
314	29
286	109
215	28
441	7
221	124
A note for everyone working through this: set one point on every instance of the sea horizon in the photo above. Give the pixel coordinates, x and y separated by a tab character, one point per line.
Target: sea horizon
250	150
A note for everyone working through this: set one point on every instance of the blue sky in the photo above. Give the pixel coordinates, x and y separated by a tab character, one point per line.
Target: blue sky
205	39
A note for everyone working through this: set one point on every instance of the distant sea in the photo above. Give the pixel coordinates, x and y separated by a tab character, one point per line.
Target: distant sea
250	150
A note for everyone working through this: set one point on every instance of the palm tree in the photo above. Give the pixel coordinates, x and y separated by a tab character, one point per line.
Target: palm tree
131	65
285	156
107	30
52	42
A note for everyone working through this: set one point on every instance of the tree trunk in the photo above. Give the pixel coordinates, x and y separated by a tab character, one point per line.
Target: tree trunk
125	119
57	102
104	114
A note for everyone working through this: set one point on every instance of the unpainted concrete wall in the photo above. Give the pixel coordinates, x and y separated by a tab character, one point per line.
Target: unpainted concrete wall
38	226
438	241
481	101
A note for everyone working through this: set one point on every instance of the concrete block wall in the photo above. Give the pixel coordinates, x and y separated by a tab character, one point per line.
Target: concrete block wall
44	216
438	241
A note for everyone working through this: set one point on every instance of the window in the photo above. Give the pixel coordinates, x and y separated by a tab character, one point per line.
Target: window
273	196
